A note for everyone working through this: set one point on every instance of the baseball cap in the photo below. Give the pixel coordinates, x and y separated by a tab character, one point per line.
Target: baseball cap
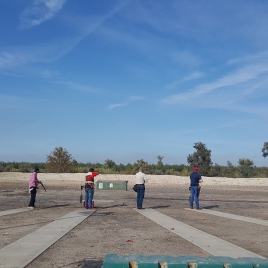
36	169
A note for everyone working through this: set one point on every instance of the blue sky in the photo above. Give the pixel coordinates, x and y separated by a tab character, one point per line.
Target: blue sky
128	80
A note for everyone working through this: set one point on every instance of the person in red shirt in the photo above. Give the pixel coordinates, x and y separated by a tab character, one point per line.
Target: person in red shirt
89	188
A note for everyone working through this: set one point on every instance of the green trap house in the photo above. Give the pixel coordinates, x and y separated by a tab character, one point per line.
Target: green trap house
158	261
112	185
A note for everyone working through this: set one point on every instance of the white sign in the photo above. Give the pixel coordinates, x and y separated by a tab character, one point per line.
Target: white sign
111	185
100	185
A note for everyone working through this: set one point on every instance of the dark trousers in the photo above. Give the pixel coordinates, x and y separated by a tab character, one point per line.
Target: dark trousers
33	196
140	194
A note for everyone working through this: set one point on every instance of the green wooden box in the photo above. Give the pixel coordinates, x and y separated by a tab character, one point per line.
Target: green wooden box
112	185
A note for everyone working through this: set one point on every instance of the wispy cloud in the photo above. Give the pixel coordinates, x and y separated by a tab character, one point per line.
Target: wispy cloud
186	58
9	60
135	98
242	75
16	56
129	100
40	11
259	57
76	86
117	105
192	76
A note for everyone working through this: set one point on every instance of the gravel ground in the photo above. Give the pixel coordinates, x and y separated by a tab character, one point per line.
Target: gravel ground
116	228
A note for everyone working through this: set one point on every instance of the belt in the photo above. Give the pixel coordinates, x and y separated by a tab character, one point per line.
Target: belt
140	184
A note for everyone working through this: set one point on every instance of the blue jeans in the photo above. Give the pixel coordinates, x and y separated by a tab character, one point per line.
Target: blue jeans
194	196
140	194
89	193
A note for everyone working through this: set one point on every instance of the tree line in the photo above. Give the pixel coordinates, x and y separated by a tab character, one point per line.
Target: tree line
61	161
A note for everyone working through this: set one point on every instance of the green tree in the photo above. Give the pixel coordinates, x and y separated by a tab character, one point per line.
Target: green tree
265	149
60	161
110	163
141	164
201	158
246	167
159	162
216	170
25	167
230	171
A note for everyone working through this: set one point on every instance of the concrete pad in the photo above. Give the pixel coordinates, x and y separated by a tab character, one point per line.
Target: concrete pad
231	216
207	242
26	249
13	211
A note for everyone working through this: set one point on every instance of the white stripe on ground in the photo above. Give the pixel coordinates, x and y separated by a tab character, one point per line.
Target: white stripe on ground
26	249
209	243
13	211
231	216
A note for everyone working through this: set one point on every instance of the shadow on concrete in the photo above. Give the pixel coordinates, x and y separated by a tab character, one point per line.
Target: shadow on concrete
86	263
210	207
56	206
113	206
159	207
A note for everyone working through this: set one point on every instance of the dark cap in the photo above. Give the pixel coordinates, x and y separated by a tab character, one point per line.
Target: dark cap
36	169
91	169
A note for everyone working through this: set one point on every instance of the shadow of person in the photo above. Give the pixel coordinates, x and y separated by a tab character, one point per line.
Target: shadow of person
210	207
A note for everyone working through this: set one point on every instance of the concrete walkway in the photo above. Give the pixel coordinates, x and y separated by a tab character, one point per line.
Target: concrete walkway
26	249
13	211
231	216
205	241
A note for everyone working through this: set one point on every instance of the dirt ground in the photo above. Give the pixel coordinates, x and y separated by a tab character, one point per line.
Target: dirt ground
116	228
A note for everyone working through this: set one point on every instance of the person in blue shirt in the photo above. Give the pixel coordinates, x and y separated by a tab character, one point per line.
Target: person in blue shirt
195	179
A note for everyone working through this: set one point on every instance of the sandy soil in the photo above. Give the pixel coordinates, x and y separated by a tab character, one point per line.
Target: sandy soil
116	228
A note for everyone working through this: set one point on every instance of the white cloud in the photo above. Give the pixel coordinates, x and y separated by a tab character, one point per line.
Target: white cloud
192	76
10	60
242	75
77	86
135	98
117	105
186	58
15	56
40	11
130	99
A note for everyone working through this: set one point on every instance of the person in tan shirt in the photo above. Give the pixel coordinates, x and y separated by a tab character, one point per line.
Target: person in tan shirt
140	182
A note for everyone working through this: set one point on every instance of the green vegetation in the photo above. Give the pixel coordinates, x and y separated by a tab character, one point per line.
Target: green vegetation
61	161
201	158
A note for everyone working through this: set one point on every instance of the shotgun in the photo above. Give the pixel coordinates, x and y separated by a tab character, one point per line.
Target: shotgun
42	185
